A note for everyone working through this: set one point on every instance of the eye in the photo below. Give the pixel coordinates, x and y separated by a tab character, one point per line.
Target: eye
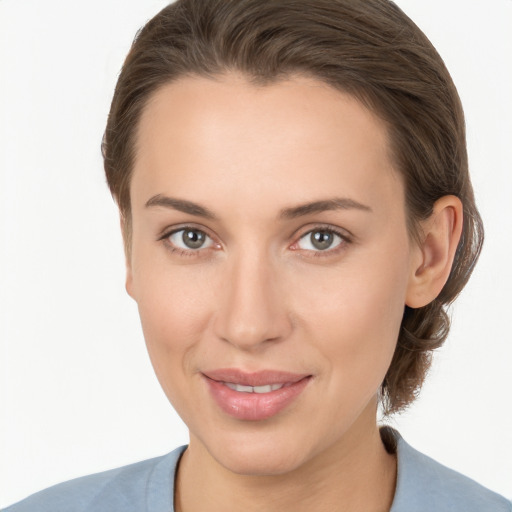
189	239
320	240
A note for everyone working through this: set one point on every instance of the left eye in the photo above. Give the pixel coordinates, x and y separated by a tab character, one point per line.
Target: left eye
319	240
190	239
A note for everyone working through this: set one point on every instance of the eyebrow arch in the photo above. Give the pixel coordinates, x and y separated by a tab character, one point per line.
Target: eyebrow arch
181	205
336	203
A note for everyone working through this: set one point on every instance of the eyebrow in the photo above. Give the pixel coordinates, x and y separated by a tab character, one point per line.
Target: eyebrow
181	205
336	203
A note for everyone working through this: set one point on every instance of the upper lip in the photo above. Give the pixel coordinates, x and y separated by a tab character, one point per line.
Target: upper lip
259	378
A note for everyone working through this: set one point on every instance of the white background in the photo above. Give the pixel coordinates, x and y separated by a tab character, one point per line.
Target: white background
77	391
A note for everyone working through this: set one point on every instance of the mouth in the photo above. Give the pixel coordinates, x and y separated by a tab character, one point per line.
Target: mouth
254	396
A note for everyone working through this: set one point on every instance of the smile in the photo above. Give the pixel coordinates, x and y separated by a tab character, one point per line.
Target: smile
254	396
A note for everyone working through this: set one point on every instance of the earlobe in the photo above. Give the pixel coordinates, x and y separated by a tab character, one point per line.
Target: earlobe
129	280
435	253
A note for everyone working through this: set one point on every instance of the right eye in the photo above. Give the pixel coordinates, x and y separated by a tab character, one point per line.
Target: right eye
189	239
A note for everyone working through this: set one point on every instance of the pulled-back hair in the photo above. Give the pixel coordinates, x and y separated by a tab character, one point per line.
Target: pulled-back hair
369	49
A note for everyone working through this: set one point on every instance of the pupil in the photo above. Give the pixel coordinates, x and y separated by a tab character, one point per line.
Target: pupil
321	239
193	239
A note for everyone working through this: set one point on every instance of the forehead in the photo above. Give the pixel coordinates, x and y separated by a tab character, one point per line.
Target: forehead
298	136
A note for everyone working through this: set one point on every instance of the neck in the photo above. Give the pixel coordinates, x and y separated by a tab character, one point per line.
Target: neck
355	475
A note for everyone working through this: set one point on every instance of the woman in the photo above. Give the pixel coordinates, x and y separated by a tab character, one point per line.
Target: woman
297	214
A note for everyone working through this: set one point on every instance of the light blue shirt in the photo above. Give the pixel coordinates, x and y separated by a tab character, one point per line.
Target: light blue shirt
423	485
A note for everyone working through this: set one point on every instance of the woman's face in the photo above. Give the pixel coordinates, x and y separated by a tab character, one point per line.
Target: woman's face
271	262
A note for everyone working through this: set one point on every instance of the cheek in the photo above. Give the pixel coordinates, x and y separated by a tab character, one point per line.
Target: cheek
353	316
169	309
174	307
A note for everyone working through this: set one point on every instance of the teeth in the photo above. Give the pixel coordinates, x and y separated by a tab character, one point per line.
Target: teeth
244	389
263	389
253	389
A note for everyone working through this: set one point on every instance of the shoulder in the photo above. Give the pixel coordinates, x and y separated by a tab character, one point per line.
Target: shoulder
145	485
424	485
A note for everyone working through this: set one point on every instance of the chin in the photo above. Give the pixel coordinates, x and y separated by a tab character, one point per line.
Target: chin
259	453
251	463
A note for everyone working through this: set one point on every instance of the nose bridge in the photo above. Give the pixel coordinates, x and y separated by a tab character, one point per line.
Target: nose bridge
251	310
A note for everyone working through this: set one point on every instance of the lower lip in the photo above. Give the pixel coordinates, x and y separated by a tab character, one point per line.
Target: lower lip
255	406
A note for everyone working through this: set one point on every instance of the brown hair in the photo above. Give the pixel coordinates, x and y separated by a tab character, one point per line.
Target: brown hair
369	49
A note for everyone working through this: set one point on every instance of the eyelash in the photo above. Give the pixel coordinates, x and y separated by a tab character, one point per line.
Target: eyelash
345	240
184	252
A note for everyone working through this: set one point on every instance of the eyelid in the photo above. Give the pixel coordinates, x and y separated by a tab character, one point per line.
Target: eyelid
304	230
169	230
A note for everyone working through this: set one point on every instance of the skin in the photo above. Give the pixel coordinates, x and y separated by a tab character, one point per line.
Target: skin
259	295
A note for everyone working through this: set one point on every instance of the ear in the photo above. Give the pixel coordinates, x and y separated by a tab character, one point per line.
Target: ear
433	256
126	232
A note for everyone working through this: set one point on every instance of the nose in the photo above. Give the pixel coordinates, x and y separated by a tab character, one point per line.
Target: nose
252	307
